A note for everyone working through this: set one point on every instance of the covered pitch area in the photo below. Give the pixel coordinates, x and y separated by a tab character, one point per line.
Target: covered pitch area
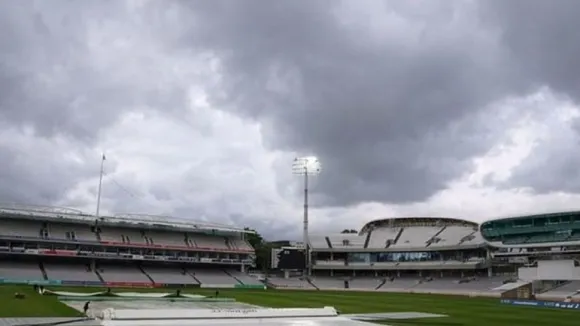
458	309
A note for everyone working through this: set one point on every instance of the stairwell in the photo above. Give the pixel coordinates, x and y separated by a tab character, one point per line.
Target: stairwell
398	235
96	230
148	276
440	231
368	239
312	283
435	238
99	275
328	242
229	244
192	243
550	288
193	276
41	266
468	237
232	276
383	282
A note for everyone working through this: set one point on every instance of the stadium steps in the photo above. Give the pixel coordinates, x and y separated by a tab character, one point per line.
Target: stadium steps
95	231
398	235
467	237
553	288
193	276
190	242
381	284
235	278
433	240
41	266
145	273
185	239
312	283
229	244
368	239
328	242
99	276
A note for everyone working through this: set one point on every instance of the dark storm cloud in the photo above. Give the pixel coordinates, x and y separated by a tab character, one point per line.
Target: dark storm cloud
63	68
393	112
70	69
544	42
394	99
36	174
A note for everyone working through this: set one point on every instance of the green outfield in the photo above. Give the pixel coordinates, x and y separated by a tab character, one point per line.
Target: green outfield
462	311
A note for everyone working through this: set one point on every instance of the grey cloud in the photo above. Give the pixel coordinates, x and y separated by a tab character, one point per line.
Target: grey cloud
543	40
71	69
393	116
395	111
544	44
64	67
37	175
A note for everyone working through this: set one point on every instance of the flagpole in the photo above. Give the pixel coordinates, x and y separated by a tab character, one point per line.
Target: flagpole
100	185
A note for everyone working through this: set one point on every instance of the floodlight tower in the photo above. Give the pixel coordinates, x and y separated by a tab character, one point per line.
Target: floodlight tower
306	166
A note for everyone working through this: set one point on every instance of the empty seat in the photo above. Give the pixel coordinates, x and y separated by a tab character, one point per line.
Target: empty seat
111	273
416	236
347	241
169	275
17	228
379	237
213	277
70	272
20	271
122	235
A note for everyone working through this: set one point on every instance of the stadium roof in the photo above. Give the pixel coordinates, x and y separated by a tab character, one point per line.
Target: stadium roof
414	220
534	215
71	215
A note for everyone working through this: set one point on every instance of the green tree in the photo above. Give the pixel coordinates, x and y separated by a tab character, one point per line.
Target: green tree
263	249
255	239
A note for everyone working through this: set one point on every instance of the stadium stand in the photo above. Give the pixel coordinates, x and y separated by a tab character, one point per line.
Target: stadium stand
18	228
568	289
327	282
381	237
291	282
213	277
70	232
341	241
418	236
116	273
555	228
169	275
20	271
63	246
440	255
365	283
244	278
128	236
70	272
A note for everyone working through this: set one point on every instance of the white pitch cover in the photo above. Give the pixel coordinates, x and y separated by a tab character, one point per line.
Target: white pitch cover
160	314
260	316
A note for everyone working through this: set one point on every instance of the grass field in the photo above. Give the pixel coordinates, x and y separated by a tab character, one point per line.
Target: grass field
461	310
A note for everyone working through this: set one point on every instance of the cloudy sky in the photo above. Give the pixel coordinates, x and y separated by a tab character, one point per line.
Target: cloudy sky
448	108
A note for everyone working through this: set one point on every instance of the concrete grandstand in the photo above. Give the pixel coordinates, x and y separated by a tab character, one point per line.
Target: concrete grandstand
58	246
62	246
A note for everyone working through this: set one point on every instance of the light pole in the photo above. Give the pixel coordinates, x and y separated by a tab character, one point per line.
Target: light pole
102	171
305	166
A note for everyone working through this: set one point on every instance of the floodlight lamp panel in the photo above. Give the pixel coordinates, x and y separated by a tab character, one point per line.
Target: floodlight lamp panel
306	165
